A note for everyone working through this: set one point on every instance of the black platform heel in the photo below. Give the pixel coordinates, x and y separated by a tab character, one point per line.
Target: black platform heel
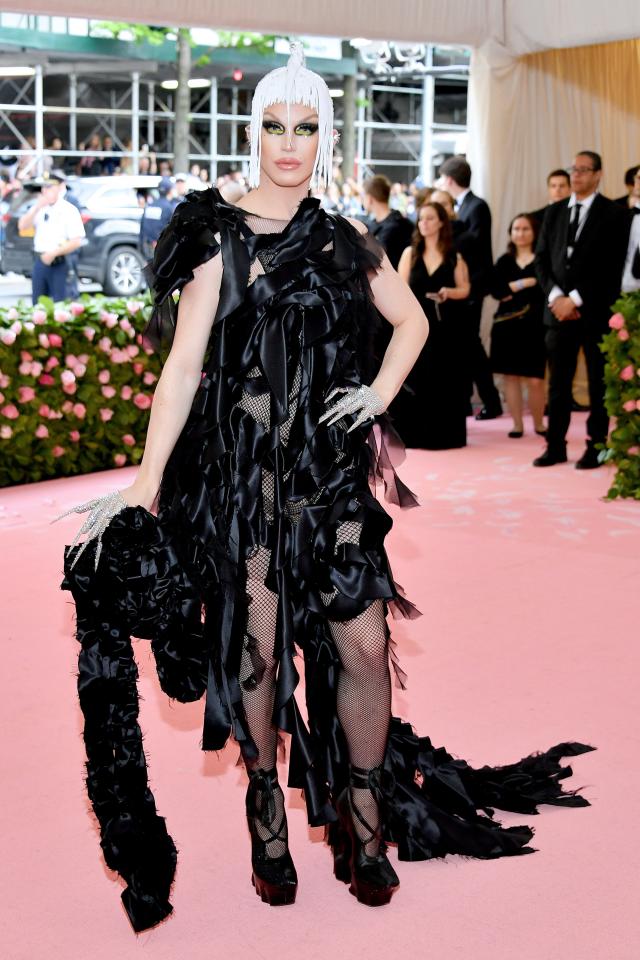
274	878
373	880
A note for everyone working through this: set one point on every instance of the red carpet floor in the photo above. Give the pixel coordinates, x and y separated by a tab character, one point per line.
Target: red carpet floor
528	584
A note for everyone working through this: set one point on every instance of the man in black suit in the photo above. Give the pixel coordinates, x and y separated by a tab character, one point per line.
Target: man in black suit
474	214
558	188
579	260
392	231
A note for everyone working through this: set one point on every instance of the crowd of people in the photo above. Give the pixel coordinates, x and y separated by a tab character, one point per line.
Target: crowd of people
563	266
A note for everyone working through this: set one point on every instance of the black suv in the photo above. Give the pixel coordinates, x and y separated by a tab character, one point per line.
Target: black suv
111	209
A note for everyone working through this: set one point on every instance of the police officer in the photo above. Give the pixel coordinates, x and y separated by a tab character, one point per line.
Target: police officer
156	216
59	231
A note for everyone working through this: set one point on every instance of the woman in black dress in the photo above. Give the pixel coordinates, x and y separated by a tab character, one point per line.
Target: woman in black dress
517	336
268	540
431	410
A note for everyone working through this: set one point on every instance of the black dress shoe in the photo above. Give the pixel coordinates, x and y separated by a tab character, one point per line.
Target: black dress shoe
515	434
550	457
489	413
542	433
588	460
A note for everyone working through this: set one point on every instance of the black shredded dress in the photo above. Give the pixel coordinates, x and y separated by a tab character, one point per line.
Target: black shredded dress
517	334
268	538
430	411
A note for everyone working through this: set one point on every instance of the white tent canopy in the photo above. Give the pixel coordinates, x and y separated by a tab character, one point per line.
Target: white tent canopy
519	26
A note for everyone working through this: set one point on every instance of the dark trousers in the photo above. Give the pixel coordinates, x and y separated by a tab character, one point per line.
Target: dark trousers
478	362
563	342
48	281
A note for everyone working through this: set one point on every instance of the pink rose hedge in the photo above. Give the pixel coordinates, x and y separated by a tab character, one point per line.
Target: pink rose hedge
76	387
621	347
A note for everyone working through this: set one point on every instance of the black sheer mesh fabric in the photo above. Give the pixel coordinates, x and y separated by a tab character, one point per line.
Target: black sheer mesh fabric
364	687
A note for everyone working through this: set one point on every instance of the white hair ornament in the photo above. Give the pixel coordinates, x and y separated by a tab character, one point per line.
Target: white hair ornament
294	84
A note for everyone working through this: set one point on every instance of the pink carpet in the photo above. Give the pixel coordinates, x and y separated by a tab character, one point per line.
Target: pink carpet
528	582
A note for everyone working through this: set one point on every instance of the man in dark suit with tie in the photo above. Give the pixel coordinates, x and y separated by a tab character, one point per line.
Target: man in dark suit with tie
579	260
474	214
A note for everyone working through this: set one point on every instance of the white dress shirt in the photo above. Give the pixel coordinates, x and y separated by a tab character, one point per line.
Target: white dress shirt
629	282
56	223
585	206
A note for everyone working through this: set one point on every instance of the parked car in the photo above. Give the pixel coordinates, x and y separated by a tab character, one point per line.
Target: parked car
111	210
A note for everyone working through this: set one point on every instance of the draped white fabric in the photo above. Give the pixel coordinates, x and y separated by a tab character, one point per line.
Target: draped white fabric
521	26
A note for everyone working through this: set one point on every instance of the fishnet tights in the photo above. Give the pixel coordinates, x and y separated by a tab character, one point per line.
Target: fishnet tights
363	695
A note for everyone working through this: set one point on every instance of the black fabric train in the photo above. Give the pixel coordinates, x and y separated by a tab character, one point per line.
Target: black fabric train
299	328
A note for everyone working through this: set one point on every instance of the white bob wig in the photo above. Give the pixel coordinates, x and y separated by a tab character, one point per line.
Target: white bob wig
294	84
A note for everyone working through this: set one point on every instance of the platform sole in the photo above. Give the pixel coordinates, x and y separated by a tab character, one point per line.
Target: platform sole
273	895
371	896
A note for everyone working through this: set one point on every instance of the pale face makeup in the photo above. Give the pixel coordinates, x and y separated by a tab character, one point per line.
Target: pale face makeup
289	145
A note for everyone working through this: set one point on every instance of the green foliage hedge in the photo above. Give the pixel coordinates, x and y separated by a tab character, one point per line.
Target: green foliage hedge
621	347
76	385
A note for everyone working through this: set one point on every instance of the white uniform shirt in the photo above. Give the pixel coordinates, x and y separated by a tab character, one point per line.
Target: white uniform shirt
55	224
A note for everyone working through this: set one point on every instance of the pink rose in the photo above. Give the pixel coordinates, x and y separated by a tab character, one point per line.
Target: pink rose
634	451
61	316
80	369
39	315
119	459
128	440
138	368
69	388
43	409
104	376
104	344
26	394
79	410
142	401
11	412
24	369
58	451
89	332
16	326
76	308
12	313
125	324
623	334
43	340
55	340
54	415
1	397
110	320
637	404
8	337
42	431
149	378
46	380
6	432
25	355
118	356
74	435
627	373
126	393
70	359
132	350
28	326
83	358
105	414
133	306
36	369
5	380
108	392
51	363
630	406
67	376
616	322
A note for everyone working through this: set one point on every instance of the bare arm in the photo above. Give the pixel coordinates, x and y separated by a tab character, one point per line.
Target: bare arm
397	304
179	380
462	288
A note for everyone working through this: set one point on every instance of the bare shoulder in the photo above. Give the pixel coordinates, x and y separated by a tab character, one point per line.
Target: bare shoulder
358	224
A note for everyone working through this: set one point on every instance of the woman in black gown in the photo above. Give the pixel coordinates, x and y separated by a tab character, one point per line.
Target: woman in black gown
517	336
268	538
431	410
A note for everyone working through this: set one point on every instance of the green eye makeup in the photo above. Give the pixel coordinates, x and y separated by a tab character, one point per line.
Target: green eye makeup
302	130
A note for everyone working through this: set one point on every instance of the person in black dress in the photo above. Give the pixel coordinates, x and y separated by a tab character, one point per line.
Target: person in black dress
517	336
431	411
